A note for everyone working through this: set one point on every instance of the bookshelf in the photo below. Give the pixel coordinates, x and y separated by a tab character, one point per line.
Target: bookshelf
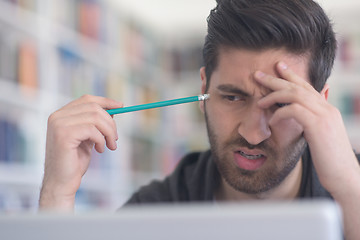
52	52
345	80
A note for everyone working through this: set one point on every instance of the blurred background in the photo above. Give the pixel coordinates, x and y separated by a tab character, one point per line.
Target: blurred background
52	52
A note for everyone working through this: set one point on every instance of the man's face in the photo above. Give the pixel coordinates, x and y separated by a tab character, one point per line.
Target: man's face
251	155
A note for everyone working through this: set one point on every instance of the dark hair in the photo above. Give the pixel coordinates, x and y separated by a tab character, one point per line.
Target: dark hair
299	26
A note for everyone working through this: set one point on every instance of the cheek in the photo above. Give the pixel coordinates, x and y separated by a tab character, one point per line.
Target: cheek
221	122
286	131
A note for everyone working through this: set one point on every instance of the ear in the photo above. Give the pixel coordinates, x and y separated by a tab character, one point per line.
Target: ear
325	91
203	80
203	87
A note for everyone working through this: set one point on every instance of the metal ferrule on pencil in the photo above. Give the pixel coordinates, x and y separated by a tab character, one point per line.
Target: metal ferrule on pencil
204	97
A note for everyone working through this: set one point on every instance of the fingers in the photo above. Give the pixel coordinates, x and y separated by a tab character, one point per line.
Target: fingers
289	89
288	79
293	111
287	97
288	74
88	111
103	125
86	134
297	98
270	82
103	102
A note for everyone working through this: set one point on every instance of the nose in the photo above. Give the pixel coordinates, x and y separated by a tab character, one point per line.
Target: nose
254	126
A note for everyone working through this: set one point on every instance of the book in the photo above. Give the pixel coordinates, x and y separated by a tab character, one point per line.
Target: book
8	55
27	66
89	18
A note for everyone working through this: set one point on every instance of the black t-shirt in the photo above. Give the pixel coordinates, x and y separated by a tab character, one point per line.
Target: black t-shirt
196	177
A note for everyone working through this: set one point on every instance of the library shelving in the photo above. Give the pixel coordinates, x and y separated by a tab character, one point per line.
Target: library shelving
52	52
345	79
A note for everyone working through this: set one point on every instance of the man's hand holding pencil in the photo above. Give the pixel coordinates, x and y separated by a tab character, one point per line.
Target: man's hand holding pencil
72	132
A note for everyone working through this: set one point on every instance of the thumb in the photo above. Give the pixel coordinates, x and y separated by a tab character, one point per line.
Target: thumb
110	104
104	102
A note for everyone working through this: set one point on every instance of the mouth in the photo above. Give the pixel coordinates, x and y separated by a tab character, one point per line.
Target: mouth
250	156
249	160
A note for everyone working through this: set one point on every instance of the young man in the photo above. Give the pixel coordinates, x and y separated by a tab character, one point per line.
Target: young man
272	133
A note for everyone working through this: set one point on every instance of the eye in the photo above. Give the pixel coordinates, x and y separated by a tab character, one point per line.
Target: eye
280	105
233	98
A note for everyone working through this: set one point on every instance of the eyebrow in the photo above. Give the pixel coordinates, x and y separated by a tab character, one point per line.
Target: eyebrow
232	89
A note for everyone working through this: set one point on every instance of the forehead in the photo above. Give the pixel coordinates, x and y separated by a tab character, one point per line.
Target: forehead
237	66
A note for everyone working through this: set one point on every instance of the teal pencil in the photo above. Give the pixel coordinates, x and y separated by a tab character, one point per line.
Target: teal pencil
158	104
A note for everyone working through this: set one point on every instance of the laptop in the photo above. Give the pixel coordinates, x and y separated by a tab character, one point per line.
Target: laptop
298	220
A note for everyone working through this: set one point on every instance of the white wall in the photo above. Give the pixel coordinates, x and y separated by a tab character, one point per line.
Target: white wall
178	17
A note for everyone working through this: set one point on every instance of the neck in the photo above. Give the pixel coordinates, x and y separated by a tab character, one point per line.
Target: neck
287	190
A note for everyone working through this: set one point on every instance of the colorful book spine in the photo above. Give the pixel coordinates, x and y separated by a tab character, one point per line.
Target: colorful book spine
27	66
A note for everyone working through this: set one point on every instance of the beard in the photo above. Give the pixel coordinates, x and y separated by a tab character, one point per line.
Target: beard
279	162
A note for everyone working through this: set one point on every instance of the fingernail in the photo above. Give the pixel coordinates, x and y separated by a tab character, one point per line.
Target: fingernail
259	74
283	65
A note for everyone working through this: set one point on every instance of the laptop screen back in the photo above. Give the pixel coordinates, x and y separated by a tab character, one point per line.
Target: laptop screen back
315	220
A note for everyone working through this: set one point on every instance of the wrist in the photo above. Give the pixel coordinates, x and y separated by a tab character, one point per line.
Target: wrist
52	199
348	187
